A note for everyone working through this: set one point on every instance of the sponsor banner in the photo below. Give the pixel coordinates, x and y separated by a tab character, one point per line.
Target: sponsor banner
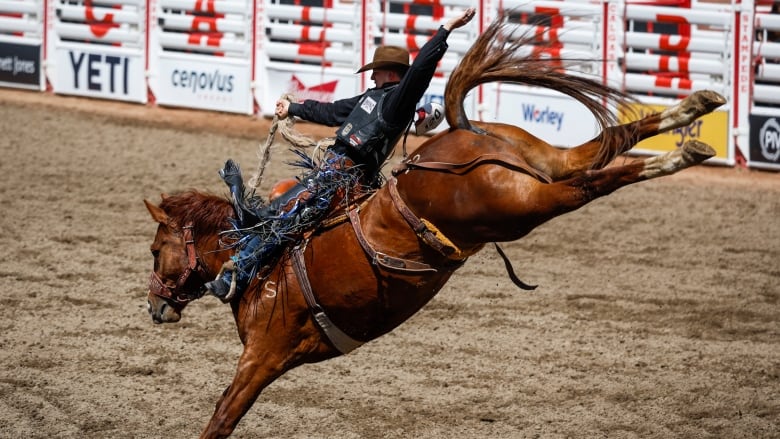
712	129
204	82
304	83
551	116
100	72
765	140
20	65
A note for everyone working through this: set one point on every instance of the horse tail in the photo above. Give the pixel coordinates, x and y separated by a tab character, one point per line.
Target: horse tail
494	58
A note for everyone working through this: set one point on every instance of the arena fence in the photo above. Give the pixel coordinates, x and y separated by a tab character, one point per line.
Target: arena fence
240	55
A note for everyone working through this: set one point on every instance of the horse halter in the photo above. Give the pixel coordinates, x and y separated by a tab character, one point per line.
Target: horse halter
177	293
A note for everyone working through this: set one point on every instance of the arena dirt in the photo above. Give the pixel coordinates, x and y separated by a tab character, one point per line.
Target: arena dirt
657	313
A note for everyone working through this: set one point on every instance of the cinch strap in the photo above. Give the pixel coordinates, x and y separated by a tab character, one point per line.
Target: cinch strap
343	342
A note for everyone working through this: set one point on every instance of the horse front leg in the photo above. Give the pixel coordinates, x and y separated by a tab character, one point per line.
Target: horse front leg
254	373
271	348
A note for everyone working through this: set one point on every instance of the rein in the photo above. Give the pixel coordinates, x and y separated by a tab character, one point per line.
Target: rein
177	293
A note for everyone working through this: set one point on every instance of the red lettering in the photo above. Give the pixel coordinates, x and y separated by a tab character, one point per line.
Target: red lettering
547	11
212	39
314	49
99	28
666	43
210	22
205	6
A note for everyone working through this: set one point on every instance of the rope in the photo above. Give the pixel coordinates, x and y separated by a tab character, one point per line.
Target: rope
296	139
264	152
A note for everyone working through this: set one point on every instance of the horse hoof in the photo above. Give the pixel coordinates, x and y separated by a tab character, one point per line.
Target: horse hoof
697	152
707	99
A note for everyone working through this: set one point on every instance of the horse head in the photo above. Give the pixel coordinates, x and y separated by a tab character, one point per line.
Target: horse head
186	250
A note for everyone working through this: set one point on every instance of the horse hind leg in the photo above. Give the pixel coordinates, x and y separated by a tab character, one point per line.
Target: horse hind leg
688	110
597	183
617	140
543	202
679	115
578	191
692	153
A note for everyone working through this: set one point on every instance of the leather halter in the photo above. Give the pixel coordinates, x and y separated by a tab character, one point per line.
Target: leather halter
176	293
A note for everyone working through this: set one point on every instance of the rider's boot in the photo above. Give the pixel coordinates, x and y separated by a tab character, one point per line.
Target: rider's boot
220	287
244	268
231	174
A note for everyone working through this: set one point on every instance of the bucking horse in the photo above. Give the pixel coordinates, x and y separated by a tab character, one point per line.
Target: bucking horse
375	262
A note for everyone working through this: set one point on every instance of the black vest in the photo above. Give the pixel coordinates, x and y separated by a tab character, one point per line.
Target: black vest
368	137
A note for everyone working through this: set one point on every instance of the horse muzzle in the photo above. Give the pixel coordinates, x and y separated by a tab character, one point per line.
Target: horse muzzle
161	311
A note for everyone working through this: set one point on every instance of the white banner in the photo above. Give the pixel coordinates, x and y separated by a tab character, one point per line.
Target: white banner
306	82
551	116
199	81
100	71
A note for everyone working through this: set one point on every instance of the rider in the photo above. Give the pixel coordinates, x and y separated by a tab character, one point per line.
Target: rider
370	124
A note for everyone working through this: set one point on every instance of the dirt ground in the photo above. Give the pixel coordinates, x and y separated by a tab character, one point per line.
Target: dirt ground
657	313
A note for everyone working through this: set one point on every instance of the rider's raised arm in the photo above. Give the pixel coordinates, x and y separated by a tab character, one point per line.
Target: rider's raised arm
402	102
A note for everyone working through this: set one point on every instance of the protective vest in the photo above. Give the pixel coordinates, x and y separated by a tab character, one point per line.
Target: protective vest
366	132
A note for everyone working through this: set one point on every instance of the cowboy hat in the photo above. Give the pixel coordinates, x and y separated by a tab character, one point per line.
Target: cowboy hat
388	57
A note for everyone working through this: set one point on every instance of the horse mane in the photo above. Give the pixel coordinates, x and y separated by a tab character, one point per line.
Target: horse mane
208	213
493	58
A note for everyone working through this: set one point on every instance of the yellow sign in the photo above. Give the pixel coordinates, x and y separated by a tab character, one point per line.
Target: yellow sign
712	129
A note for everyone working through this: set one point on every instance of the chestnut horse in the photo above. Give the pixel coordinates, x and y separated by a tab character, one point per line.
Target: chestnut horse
363	273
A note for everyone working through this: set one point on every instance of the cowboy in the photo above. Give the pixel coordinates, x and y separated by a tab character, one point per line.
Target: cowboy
369	124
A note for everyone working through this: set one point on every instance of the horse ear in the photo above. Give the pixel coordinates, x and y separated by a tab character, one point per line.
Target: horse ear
158	214
163	196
